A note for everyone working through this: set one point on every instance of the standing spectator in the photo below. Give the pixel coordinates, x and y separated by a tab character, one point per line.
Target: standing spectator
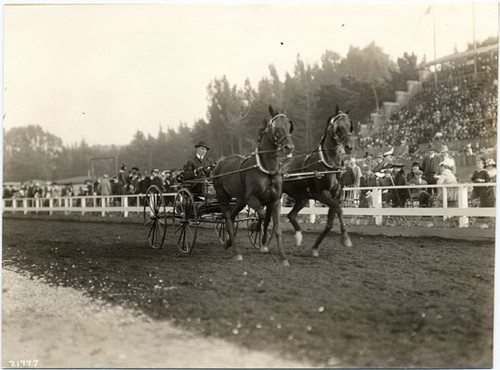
445	153
156	179
489	196
430	167
104	189
468	150
402	150
446	178
401	195
352	178
480	176
145	183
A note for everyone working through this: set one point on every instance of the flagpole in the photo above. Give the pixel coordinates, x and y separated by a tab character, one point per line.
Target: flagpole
474	39
434	29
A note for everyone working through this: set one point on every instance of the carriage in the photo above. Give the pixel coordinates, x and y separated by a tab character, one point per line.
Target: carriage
183	212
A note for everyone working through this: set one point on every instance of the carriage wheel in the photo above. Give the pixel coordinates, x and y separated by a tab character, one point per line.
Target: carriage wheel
155	217
220	228
185	221
256	236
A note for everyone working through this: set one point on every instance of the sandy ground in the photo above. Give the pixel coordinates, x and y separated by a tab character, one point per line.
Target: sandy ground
60	327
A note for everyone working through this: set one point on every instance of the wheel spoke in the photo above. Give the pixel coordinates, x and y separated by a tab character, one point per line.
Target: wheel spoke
151	229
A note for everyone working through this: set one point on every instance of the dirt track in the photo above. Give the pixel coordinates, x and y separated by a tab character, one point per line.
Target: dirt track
63	328
386	302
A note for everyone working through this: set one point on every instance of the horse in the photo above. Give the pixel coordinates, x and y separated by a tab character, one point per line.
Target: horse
324	185
255	180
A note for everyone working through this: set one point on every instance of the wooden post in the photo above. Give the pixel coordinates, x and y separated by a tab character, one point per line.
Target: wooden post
463	202
312	214
125	205
83	204
103	206
377	203
25	206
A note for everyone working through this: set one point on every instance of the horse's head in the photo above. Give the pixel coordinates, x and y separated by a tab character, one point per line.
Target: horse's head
279	130
339	130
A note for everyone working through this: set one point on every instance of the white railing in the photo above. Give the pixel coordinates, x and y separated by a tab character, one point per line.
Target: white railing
127	204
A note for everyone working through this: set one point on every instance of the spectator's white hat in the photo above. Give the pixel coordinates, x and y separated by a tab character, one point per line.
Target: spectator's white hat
447	162
444	149
469	145
438	134
490	162
389	152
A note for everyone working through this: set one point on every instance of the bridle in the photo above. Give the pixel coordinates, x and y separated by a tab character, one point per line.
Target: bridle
269	131
275	139
336	138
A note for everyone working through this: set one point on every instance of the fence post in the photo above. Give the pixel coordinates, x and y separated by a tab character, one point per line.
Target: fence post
83	204
463	202
25	206
445	200
377	204
14	204
312	211
51	205
103	205
125	205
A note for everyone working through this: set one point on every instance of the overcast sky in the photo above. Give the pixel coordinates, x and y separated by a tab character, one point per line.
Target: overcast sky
102	72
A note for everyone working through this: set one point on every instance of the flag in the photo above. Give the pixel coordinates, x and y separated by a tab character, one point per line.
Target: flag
428	11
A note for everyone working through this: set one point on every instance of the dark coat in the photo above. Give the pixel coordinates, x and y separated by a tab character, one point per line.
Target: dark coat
198	169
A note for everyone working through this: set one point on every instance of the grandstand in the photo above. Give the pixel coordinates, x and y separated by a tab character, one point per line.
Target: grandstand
461	103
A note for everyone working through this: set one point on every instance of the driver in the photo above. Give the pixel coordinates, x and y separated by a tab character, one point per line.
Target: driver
199	167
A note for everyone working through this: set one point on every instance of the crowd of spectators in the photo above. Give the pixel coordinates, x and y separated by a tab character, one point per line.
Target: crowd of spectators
460	107
437	167
126	182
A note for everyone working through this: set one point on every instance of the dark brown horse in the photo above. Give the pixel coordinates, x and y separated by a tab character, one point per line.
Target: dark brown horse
324	187
256	180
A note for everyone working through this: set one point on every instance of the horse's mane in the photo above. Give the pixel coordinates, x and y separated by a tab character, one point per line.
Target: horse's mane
261	130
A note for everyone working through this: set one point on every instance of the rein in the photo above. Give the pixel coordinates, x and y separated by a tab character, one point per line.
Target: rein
277	142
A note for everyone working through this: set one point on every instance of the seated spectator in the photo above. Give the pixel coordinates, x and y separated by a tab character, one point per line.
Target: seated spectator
414	167
420	194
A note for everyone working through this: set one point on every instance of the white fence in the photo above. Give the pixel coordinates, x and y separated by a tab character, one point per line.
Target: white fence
127	204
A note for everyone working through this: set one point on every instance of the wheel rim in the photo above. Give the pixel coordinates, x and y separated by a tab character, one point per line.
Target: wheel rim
185	221
154	217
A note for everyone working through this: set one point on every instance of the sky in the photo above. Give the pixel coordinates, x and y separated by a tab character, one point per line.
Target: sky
100	72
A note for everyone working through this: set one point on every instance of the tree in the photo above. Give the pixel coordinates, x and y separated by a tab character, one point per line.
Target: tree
30	153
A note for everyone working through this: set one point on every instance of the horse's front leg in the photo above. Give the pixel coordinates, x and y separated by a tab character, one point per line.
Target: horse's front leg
230	216
265	226
346	239
292	217
275	210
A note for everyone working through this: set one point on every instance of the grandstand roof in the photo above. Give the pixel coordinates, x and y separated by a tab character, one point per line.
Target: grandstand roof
462	55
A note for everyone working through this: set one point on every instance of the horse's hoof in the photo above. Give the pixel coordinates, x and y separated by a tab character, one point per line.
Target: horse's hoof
264	250
238	257
298	238
315	253
227	244
346	240
286	263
